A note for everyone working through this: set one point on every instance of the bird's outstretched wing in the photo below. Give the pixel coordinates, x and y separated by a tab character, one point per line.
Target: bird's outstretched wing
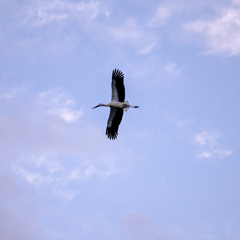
113	123
118	89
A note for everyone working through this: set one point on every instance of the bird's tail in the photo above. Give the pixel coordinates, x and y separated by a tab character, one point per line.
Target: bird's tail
127	106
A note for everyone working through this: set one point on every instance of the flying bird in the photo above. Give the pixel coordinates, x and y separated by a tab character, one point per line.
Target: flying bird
117	104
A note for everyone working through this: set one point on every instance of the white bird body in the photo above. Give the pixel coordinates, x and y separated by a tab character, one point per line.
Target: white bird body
125	105
117	104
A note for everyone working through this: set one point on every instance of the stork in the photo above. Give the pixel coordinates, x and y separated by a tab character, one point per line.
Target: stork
117	104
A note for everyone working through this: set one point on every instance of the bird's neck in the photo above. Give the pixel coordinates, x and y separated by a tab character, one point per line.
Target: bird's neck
103	105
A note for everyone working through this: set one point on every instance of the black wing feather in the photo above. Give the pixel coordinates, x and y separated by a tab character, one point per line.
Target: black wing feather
118	81
114	121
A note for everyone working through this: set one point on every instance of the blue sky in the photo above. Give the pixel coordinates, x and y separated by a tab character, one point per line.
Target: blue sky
173	172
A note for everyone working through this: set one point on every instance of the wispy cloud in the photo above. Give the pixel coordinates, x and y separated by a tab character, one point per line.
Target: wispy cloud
153	70
45	12
59	104
160	17
95	19
11	93
58	26
179	122
132	33
58	173
171	69
55	27
208	141
63	22
221	33
53	152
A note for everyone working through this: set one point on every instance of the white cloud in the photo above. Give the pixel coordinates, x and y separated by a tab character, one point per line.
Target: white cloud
215	153
147	49
52	153
153	70
179	122
222	33
160	17
48	27
58	174
166	12
11	93
134	34
208	141
207	137
57	27
45	12
60	105
172	70
34	178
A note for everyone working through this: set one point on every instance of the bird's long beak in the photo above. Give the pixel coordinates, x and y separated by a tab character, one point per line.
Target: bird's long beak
96	106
